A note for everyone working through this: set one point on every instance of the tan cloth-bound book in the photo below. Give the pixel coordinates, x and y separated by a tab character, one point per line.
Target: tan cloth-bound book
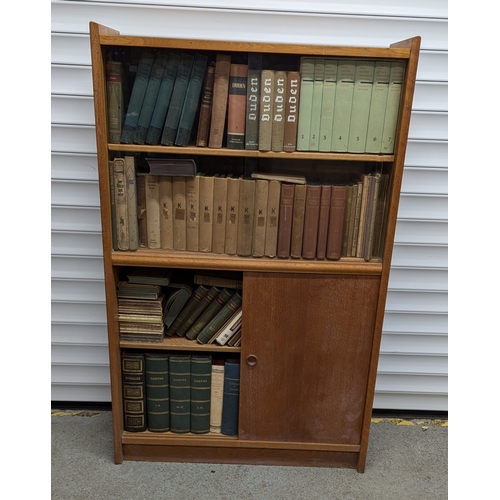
299	205
260	218
233	201
153	210
179	202
285	220
272	218
311	221
219	102
291	111
166	213
279	98
219	214
336	225
206	107
324	217
246	218
266	110
206	212
193	213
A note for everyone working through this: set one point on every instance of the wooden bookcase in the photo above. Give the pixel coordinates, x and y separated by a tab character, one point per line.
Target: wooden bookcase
312	328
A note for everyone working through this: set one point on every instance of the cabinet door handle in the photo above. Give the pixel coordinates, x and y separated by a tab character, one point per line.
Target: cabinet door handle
251	360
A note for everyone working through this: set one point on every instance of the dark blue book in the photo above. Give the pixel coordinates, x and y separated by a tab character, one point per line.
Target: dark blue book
231	397
163	100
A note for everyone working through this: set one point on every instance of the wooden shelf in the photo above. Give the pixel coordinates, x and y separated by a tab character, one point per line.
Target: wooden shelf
179	344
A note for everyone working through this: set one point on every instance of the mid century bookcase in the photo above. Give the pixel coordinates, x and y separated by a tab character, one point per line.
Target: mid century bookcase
311	328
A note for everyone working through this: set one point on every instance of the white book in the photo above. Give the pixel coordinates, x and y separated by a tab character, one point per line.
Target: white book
232	325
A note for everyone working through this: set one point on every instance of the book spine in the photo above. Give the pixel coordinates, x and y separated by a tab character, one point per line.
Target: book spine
134	391
291	111
347	219
193	209
232	326
179	204
201	382
311	221
323	223
231	398
392	107
133	223
166	213
219	104
246	218
266	109
299	205
141	210
285	220
112	196
216	393
114	90
356	211
371	218
317	99
305	102
236	106
191	304
343	105
219	214
362	215
327	104
206	107
195	314
253	101
153	211
206	213
260	218
121	221
157	391
180	393
336	226
272	219
232	209
279	100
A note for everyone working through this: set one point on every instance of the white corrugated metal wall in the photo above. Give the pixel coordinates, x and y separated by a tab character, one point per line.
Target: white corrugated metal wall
413	370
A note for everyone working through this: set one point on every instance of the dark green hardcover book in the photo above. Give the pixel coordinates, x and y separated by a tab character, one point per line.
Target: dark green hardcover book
253	101
222	316
180	393
198	311
198	294
163	100
201	381
210	313
192	100
174	304
177	100
155	78
137	96
134	391
231	397
157	391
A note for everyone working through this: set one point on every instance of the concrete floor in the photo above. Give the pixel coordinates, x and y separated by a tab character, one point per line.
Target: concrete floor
407	460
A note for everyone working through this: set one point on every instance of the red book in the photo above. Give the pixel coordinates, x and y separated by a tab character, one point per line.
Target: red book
324	219
311	221
219	100
285	221
236	106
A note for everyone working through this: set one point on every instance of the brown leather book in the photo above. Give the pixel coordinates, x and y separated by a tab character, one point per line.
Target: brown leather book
246	218
219	103
266	109
336	225
206	212
371	217
291	111
260	218
363	214
272	218
324	218
206	107
311	221
279	93
299	205
285	220
219	211
236	106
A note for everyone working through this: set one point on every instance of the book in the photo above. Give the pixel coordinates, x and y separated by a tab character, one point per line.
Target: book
246	209
225	312
362	215
343	105
229	328
327	104
219	214
219	101
150	276
120	203
392	106
157	122
179	205
206	106
289	178
197	311
361	99
371	216
191	100
137	290
133	223
193	301
380	216
180	392
152	89
323	222
316	103
299	205
177	99
134	391
171	166
381	76
114	96
347	219
253	101
216	393
305	102
354	225
285	220
236	106
141	209
223	279
206	213
311	221
336	223
232	215
260	218
201	384
166	212
175	304
137	96
266	109
193	211
272	218
231	397
157	391
112	200
153	211
279	98
291	111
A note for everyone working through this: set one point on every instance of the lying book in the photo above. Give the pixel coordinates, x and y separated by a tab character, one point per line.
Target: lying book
141	306
230	328
150	276
218	278
294	179
138	291
173	167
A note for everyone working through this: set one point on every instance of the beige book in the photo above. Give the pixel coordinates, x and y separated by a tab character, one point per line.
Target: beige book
233	200
153	211
363	215
279	101
299	205
220	207
272	218
260	217
166	213
216	395
206	213
121	213
246	218
193	213
179	203
133	225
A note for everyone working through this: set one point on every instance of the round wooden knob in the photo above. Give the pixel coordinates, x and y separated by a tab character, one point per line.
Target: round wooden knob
251	360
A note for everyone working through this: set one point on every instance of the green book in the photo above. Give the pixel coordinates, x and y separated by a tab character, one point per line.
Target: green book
316	102
174	305
218	321
327	104
361	100
180	393
152	90
305	102
137	96
177	100
157	391
198	294
191	100
201	382
343	105
392	107
198	311
163	100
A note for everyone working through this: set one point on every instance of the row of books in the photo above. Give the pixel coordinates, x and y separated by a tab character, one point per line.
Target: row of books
180	392
325	104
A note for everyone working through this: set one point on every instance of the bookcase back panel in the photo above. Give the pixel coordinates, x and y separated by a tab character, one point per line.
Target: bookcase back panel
302	381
